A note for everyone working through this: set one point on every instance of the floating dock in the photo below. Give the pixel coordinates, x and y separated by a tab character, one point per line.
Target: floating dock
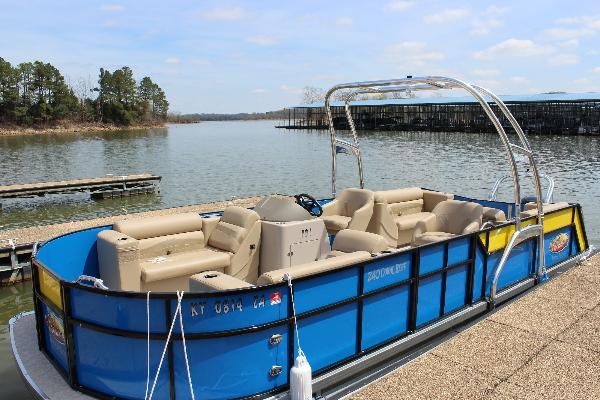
104	187
16	245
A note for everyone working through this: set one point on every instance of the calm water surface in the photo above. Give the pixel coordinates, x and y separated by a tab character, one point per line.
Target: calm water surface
217	160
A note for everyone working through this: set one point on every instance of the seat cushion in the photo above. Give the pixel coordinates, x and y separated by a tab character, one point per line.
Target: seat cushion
227	237
405	222
183	264
336	222
432	237
170	244
348	241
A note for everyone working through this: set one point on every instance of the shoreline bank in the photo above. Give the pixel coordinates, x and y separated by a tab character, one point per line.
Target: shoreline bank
15	130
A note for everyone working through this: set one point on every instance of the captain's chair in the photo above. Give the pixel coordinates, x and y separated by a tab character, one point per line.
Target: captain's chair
448	219
352	209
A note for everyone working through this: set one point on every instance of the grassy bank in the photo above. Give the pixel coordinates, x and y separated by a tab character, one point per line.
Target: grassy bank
66	128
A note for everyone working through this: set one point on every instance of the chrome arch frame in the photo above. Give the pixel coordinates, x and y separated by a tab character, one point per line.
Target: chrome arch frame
479	93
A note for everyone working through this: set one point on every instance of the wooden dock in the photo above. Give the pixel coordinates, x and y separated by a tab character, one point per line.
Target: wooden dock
109	183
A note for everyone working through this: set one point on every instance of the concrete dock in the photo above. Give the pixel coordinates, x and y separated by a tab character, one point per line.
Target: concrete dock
545	345
42	233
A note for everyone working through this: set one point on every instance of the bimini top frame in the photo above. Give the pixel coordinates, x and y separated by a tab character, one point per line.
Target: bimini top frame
410	84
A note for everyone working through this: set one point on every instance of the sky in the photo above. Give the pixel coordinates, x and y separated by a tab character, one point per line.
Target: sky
254	56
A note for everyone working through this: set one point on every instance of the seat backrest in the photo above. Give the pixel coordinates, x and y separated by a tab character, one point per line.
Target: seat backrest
349	241
164	235
300	271
354	199
232	228
453	216
163	225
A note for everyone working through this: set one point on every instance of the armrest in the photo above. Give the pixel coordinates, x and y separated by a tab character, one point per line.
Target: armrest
331	208
361	217
118	260
208	226
429	224
431	199
472	227
382	223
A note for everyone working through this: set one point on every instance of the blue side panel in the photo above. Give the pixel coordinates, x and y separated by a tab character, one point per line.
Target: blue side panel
478	274
329	337
385	315
231	367
519	266
116	365
431	258
388	271
429	302
558	246
220	313
54	336
325	289
456	288
458	250
117	312
72	255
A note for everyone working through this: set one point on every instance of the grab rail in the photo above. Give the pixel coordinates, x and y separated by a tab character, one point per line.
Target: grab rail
547	198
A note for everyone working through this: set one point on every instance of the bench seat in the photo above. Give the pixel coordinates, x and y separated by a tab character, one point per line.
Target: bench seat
181	264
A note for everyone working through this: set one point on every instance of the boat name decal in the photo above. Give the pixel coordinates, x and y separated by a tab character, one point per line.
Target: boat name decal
386	271
559	243
55	327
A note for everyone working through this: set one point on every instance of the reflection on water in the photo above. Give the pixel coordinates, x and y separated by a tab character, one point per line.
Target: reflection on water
217	160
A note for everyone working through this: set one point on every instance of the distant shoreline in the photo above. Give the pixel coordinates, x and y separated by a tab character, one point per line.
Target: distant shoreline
70	128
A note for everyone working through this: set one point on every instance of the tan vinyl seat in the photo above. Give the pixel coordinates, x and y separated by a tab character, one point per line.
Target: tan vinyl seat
493	215
162	253
352	209
348	241
396	212
213	281
531	208
448	219
312	268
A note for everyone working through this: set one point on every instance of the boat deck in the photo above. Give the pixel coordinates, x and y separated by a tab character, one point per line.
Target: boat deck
545	345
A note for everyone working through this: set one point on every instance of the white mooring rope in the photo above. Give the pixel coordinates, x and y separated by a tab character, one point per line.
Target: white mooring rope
300	373
162	357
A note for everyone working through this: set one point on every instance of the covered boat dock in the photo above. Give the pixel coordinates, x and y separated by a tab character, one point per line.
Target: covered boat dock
546	113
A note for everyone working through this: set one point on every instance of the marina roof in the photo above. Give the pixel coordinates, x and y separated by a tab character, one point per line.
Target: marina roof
518	98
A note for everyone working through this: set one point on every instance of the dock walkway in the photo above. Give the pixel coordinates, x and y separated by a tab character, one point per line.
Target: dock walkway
545	345
77	185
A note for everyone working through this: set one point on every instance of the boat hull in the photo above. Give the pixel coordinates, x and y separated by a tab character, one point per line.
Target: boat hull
241	344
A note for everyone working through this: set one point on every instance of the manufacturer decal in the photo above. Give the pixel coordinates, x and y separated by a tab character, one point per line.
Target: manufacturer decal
55	327
386	271
559	243
275	298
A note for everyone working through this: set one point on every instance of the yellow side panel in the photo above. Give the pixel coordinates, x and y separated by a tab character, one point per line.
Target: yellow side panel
557	220
579	230
499	237
50	287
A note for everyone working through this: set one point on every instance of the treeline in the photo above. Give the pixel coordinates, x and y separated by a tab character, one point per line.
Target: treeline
192	118
36	94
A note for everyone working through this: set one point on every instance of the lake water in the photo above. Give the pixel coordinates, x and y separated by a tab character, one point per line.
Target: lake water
217	160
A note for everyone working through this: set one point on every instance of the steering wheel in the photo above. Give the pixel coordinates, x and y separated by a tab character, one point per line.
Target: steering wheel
309	203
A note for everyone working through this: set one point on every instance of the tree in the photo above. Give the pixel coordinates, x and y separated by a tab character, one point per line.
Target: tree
311	95
9	91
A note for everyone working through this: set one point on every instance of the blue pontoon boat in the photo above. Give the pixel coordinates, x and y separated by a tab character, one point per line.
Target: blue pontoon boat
201	306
